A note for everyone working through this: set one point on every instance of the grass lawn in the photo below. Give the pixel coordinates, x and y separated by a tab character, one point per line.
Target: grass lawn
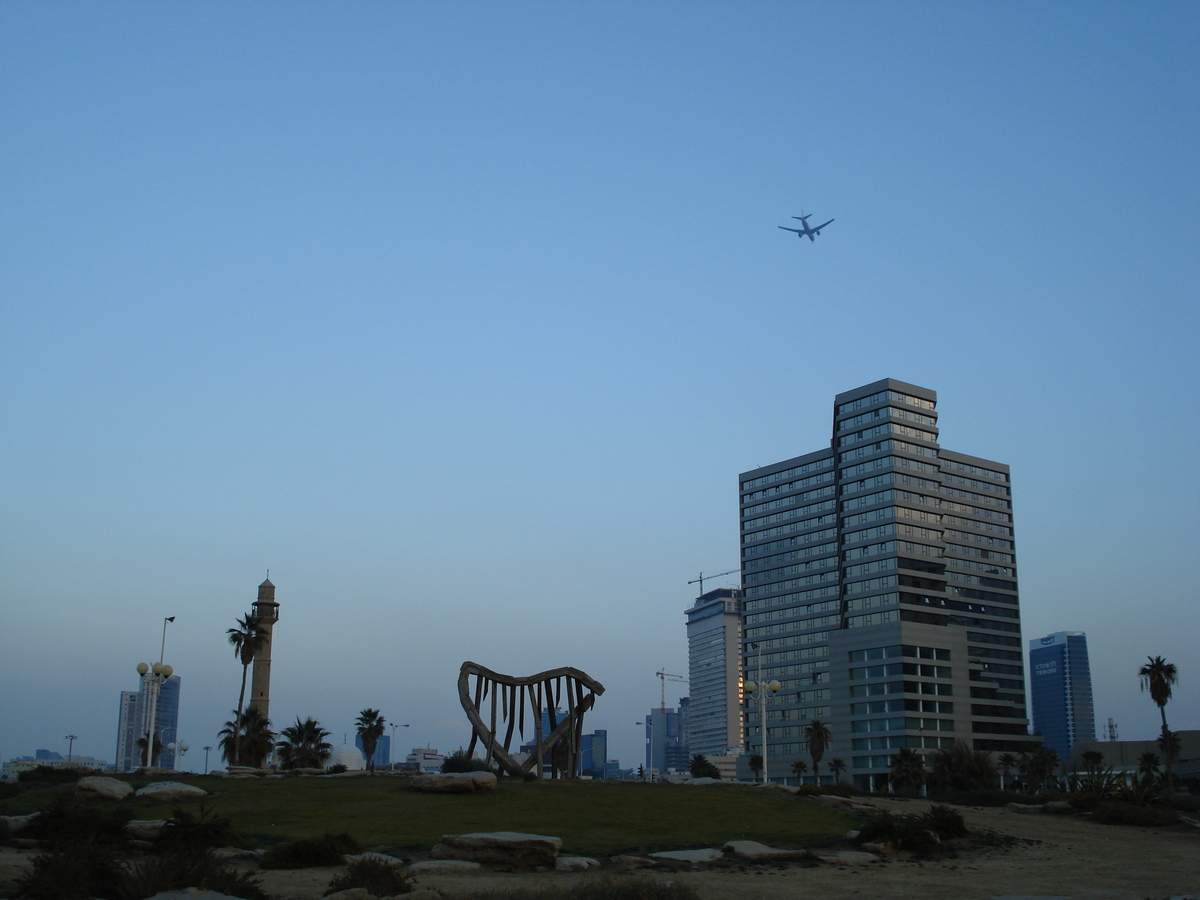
591	817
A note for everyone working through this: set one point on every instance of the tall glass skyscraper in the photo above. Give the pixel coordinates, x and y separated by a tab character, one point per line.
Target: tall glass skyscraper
880	587
714	630
1060	682
134	721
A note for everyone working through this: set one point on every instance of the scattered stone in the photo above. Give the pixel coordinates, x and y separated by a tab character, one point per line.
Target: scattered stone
633	862
512	848
305	772
374	857
192	893
145	829
850	858
851	835
100	787
755	850
17	824
873	847
230	853
1024	807
351	894
1058	807
454	783
442	867
170	790
575	863
692	856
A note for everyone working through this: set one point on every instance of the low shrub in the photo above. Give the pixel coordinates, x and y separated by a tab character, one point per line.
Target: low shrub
187	832
1110	813
460	761
600	889
336	769
73	870
980	798
374	876
67	821
945	822
176	871
910	833
311	853
51	775
8	790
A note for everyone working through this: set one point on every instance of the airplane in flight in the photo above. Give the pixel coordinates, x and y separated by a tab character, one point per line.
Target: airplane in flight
810	233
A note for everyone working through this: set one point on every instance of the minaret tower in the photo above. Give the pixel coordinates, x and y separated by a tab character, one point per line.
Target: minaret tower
267	611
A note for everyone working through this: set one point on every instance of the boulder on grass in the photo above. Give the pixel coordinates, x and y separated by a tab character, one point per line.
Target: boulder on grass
442	867
575	864
454	783
145	829
755	850
693	856
512	848
17	824
170	790
100	787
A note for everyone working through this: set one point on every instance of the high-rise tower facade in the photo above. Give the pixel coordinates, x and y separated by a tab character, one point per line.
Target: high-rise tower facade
1060	687
714	630
267	612
880	588
133	723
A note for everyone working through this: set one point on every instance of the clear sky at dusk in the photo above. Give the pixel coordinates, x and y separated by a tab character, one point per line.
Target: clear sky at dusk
463	318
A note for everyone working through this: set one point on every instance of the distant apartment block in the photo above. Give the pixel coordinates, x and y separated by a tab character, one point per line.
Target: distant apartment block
714	632
665	747
1060	687
880	583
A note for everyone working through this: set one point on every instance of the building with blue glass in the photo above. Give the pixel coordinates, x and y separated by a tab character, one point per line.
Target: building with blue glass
1060	687
133	723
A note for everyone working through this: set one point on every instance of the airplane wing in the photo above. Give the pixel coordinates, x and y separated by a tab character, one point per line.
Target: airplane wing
819	227
797	230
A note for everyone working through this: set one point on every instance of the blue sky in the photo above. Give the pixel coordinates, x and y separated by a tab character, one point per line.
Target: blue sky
463	318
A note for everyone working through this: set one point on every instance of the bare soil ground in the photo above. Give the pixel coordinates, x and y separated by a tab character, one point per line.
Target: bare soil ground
1008	853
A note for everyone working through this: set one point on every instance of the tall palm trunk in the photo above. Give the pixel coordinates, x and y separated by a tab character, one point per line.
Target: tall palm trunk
1168	751
237	735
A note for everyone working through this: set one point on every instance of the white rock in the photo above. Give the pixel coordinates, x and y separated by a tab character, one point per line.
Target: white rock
442	867
170	790
575	863
374	857
694	856
145	829
454	783
504	847
755	850
191	893
100	787
17	824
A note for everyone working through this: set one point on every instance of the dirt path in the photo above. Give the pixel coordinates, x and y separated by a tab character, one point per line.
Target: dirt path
1033	854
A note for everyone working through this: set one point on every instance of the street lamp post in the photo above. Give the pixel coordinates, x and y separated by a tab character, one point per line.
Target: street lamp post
392	747
71	746
761	692
161	672
206	749
182	748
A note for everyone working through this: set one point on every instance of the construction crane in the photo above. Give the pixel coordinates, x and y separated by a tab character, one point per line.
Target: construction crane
710	578
663	675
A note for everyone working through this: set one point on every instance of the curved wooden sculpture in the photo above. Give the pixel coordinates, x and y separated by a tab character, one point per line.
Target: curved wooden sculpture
509	699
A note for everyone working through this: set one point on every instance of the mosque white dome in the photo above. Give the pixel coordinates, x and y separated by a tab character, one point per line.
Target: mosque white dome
349	756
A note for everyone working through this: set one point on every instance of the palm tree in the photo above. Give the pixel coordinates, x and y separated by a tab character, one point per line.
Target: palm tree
838	768
247	639
799	767
1092	760
370	728
908	771
158	749
1148	766
304	745
817	735
1007	763
253	745
1038	766
959	768
756	764
1158	676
